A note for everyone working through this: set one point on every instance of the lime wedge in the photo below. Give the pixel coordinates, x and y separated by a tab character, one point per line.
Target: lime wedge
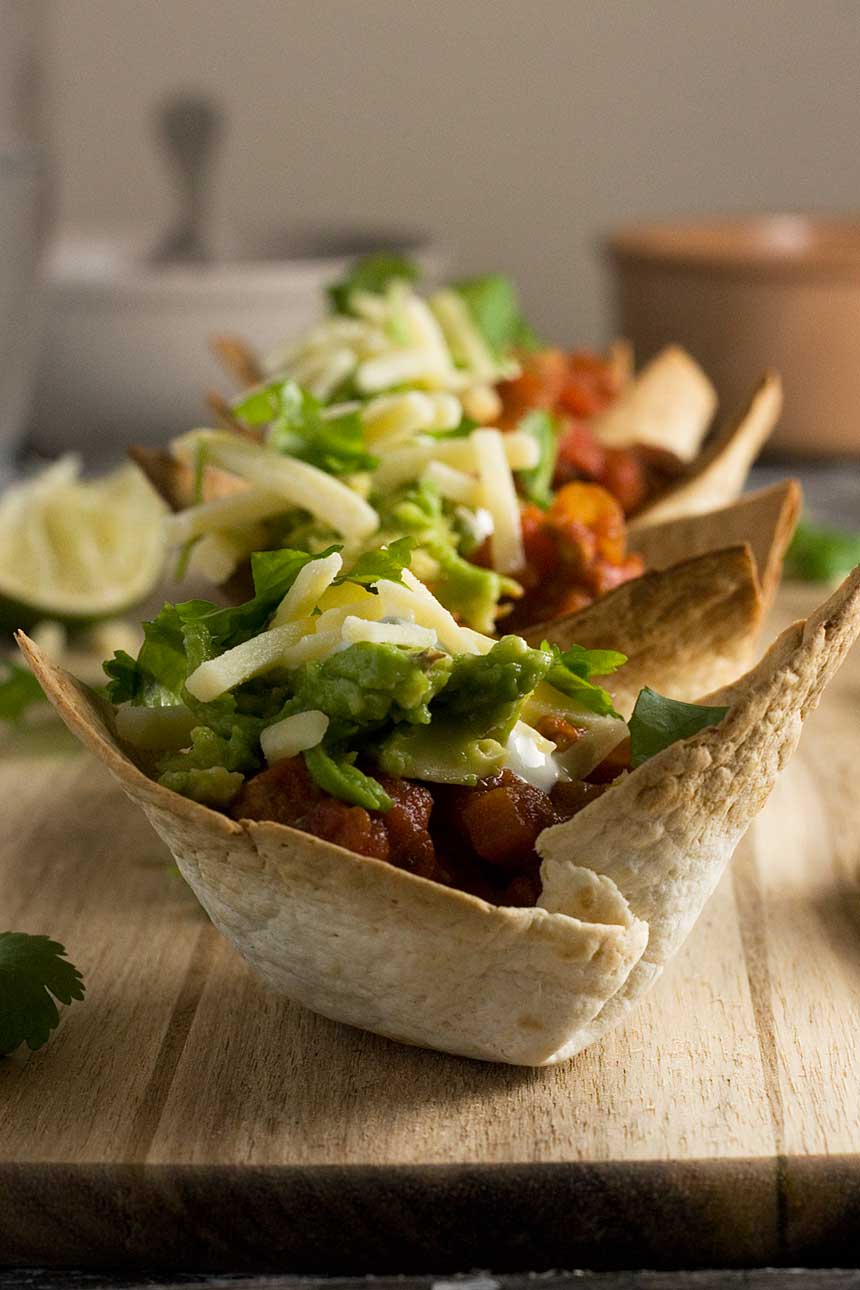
78	550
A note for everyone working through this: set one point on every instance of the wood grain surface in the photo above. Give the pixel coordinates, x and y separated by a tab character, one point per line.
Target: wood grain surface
185	1116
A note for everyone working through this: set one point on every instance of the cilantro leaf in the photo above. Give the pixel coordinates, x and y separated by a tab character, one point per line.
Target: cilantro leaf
587	663
184	635
571	672
658	722
492	301
19	690
371	273
387	562
821	554
297	428
339	777
536	482
32	969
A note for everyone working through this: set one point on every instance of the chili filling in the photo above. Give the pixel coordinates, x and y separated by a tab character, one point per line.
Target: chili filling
480	840
576	387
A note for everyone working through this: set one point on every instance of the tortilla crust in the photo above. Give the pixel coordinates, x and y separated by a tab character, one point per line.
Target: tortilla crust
669	405
765	519
685	630
362	942
238	360
719	474
623	882
686	809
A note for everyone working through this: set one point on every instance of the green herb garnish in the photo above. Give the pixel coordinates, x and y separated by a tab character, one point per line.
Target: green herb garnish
492	301
296	427
658	722
32	970
536	482
821	554
371	273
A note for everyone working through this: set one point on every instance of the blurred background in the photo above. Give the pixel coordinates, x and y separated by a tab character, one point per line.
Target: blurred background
514	133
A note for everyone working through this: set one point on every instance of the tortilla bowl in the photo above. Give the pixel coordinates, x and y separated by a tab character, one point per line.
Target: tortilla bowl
623	882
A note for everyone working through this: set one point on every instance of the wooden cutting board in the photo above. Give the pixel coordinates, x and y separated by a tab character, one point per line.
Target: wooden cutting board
184	1115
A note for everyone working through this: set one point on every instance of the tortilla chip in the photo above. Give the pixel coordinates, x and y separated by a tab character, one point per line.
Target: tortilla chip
765	519
684	630
669	405
238	360
619	359
623	882
720	473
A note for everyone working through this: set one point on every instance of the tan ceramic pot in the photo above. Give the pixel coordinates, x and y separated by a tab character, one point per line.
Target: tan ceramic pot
745	294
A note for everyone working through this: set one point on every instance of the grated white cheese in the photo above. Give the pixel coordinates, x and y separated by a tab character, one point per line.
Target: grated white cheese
250	505
400	601
407	462
293	735
499	495
252	658
400	633
215	557
298	483
315	578
454	484
314	646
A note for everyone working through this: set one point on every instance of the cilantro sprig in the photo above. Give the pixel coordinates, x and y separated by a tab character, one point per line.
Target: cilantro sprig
573	668
34	972
296	427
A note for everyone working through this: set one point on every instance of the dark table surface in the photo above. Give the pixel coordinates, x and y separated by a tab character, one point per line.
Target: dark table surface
752	1279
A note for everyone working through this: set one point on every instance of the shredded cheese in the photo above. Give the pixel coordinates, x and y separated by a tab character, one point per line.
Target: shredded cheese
297	482
464	340
316	645
359	629
293	735
237	509
252	658
314	579
499	495
215	557
414	599
409	461
453	484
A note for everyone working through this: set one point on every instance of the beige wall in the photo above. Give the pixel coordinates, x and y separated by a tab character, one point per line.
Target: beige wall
514	129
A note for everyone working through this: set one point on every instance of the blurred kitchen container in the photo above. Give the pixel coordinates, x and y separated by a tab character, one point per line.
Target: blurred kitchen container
746	293
126	356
